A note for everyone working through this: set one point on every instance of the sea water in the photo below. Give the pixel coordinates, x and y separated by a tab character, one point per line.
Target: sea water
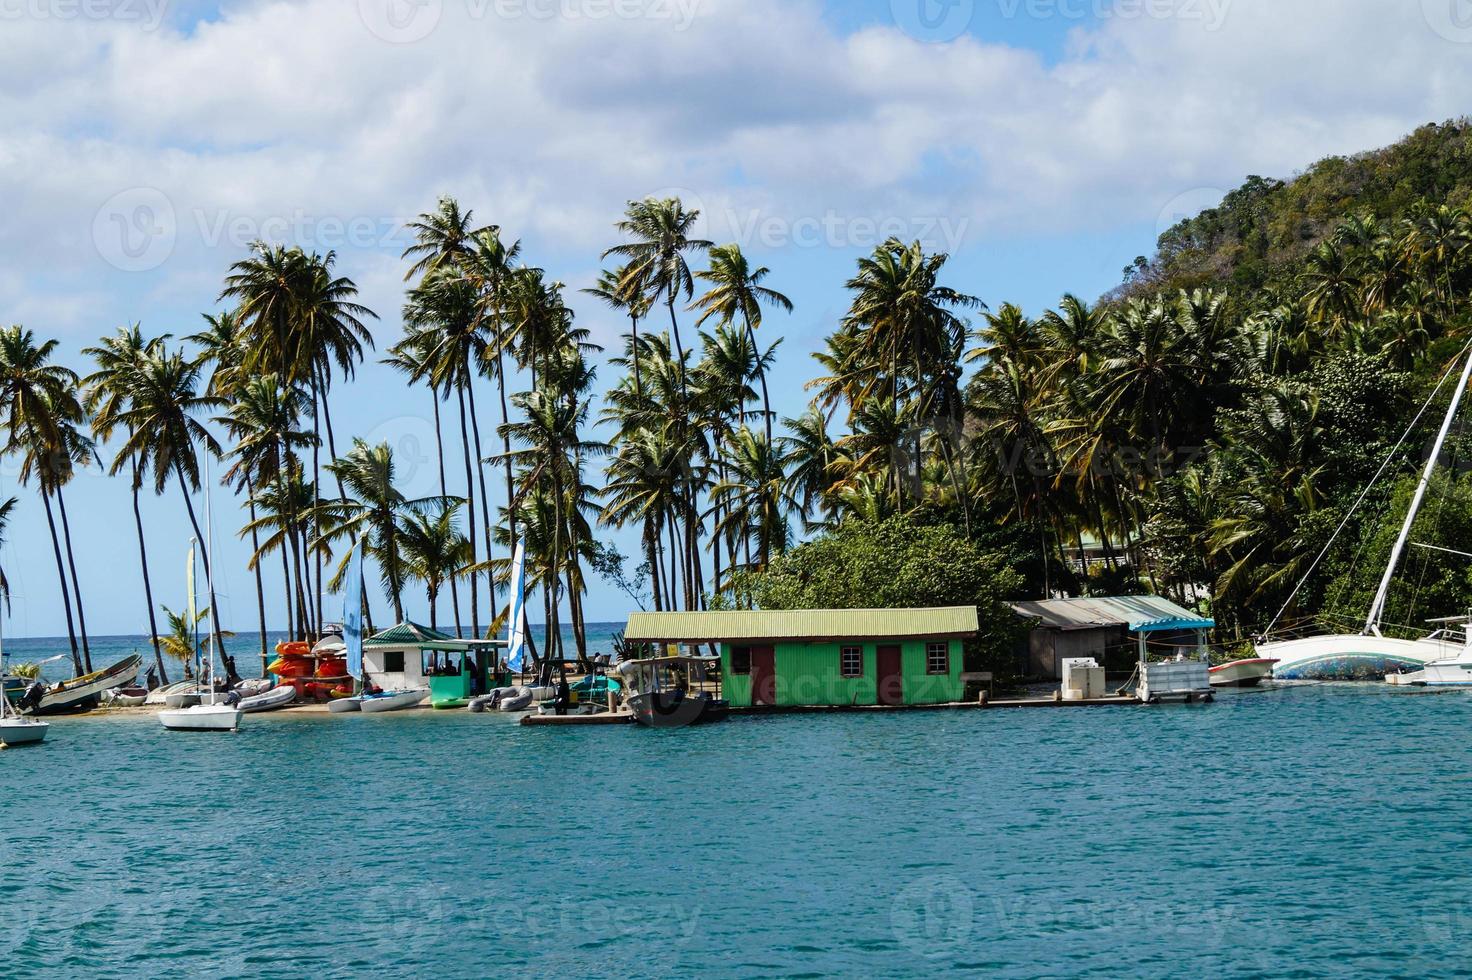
1310	830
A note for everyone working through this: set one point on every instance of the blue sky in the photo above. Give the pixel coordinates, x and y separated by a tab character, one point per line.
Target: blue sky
1044	143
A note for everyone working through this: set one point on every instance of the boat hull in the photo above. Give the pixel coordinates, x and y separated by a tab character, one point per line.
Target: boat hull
83	693
202	718
344	705
392	701
672	709
1243	673
1355	657
22	731
273	700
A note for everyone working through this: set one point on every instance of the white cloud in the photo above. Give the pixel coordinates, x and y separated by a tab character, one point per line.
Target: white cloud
295	119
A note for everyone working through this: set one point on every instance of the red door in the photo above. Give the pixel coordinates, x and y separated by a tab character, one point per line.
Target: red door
890	675
763	676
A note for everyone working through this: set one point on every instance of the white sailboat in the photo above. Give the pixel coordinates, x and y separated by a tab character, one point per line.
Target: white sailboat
15	728
215	714
1368	654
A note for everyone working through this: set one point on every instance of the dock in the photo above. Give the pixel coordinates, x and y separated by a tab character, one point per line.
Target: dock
606	718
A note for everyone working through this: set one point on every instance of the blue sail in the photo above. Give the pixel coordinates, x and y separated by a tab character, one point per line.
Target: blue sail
352	611
516	621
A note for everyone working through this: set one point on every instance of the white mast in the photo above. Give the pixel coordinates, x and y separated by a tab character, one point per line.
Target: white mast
209	576
1377	608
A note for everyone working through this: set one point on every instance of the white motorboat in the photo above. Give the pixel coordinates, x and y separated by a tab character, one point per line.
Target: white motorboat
218	717
273	700
125	697
371	704
1242	673
1369	654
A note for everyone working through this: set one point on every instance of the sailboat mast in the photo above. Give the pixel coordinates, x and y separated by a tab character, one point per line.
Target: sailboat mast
209	574
1377	608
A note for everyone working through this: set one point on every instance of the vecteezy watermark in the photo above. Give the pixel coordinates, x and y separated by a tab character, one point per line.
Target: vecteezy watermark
416	457
135	230
1211	13
933	20
933	917
408	21
1185	206
147	14
1452	19
138	230
833	229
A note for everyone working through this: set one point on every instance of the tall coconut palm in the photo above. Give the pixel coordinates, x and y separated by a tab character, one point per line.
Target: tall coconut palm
757	495
657	266
36	401
621	292
433	551
120	360
374	512
737	294
443	238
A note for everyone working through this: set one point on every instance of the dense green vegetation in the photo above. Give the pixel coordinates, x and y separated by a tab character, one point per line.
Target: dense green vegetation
1200	433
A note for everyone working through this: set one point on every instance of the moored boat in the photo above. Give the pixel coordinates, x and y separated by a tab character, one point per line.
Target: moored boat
1242	673
371	704
16	729
217	717
125	697
672	692
83	693
160	695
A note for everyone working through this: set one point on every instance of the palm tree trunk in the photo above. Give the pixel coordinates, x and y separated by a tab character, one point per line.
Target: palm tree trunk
391	549
761	376
66	598
316	497
480	472
439	445
651	536
255	544
158	654
679	347
470	513
71	561
286	578
506	444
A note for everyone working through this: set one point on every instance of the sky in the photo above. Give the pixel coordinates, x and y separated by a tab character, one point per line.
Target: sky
1043	144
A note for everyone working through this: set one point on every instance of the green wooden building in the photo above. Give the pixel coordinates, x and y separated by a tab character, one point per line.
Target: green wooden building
833	657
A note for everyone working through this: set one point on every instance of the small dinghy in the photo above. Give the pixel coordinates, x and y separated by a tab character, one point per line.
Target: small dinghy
391	700
186	697
273	700
344	705
125	697
1243	673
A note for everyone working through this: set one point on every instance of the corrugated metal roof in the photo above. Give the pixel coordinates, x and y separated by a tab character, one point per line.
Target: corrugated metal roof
408	633
801	624
1138	613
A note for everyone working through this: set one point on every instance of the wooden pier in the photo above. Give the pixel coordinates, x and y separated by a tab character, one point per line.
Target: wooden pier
809	709
606	718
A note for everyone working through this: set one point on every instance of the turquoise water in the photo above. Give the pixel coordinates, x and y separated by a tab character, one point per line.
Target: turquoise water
1303	831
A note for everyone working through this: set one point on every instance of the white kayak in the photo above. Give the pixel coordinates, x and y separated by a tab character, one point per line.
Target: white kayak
273	700
22	731
391	700
202	718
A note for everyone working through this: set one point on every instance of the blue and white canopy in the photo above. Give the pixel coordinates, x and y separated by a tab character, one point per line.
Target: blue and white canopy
1138	614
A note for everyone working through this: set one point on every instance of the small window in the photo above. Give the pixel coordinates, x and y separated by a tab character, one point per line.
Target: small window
393	662
740	661
851	662
937	658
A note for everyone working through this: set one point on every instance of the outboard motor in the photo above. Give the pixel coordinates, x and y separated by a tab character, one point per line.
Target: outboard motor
233	699
31	700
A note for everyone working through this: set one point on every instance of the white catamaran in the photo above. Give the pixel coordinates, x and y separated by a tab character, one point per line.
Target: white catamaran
1368	654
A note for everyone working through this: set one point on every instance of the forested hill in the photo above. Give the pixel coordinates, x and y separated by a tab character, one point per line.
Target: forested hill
1262	233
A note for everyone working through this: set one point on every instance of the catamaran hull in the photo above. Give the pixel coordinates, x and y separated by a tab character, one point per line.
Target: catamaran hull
1351	657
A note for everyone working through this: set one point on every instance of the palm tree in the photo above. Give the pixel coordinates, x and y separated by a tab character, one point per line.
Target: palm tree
120	360
737	291
660	230
808	455
442	238
757	495
36	402
433	551
621	292
374	513
179	641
